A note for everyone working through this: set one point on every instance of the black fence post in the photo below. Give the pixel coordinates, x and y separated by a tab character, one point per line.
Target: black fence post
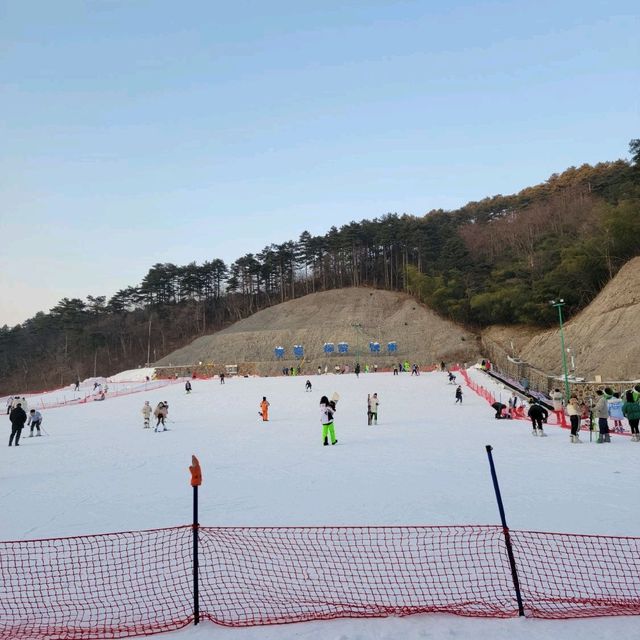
507	536
196	481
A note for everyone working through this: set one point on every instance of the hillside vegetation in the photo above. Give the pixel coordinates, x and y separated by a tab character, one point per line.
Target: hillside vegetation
497	261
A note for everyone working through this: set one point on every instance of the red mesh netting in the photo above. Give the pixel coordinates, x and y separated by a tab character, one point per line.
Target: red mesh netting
576	576
139	583
106	586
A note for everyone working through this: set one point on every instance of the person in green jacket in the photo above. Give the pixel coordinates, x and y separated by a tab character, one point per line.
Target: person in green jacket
631	411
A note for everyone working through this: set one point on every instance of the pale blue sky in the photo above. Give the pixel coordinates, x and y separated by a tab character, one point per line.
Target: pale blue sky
135	132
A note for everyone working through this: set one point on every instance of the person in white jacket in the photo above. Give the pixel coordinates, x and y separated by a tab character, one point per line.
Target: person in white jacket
373	407
574	413
146	414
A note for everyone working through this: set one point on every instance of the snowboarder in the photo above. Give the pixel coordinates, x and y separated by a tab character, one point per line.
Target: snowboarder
264	409
161	412
146	413
187	386
77	385
327	410
538	415
452	378
307	385
459	395
573	411
18	417
373	404
34	421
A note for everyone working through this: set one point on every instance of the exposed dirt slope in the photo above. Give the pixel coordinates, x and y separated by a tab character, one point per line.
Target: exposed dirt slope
604	338
354	315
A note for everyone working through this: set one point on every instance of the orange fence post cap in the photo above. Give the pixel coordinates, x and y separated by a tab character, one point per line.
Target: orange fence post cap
196	472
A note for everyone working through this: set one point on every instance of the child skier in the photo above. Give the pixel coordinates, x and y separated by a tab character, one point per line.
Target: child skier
146	413
307	385
34	421
264	409
459	395
187	386
327	409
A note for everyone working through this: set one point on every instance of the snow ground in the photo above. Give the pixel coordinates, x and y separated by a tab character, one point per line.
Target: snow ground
98	470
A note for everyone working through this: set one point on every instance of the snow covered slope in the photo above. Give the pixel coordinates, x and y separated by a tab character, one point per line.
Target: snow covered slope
98	470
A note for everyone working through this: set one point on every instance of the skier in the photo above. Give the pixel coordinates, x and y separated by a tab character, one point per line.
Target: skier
146	413
631	411
264	409
307	385
395	370
369	416
614	405
222	378
9	404
357	370
459	395
499	408
18	417
35	420
602	411
327	410
538	415
558	406
161	412
77	385
573	411
374	403
452	378
414	370
319	370
187	386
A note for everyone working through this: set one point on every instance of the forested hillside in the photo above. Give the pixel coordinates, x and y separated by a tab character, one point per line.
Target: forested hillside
499	260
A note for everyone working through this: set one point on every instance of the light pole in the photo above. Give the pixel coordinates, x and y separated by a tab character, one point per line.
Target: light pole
559	304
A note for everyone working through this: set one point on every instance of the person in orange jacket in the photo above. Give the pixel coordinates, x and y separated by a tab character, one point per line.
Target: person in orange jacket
264	409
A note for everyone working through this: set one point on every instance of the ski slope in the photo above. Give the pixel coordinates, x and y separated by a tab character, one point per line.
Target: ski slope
97	470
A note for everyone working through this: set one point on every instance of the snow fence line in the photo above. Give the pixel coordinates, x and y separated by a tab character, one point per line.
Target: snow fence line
119	585
142	387
491	398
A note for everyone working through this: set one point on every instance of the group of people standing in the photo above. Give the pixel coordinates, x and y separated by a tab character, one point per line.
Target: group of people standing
19	418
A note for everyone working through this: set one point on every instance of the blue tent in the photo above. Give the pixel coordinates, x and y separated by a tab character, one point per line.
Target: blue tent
343	347
279	351
374	347
392	347
328	347
298	350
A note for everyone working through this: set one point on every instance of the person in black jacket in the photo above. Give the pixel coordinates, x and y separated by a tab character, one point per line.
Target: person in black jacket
499	408
538	415
18	418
